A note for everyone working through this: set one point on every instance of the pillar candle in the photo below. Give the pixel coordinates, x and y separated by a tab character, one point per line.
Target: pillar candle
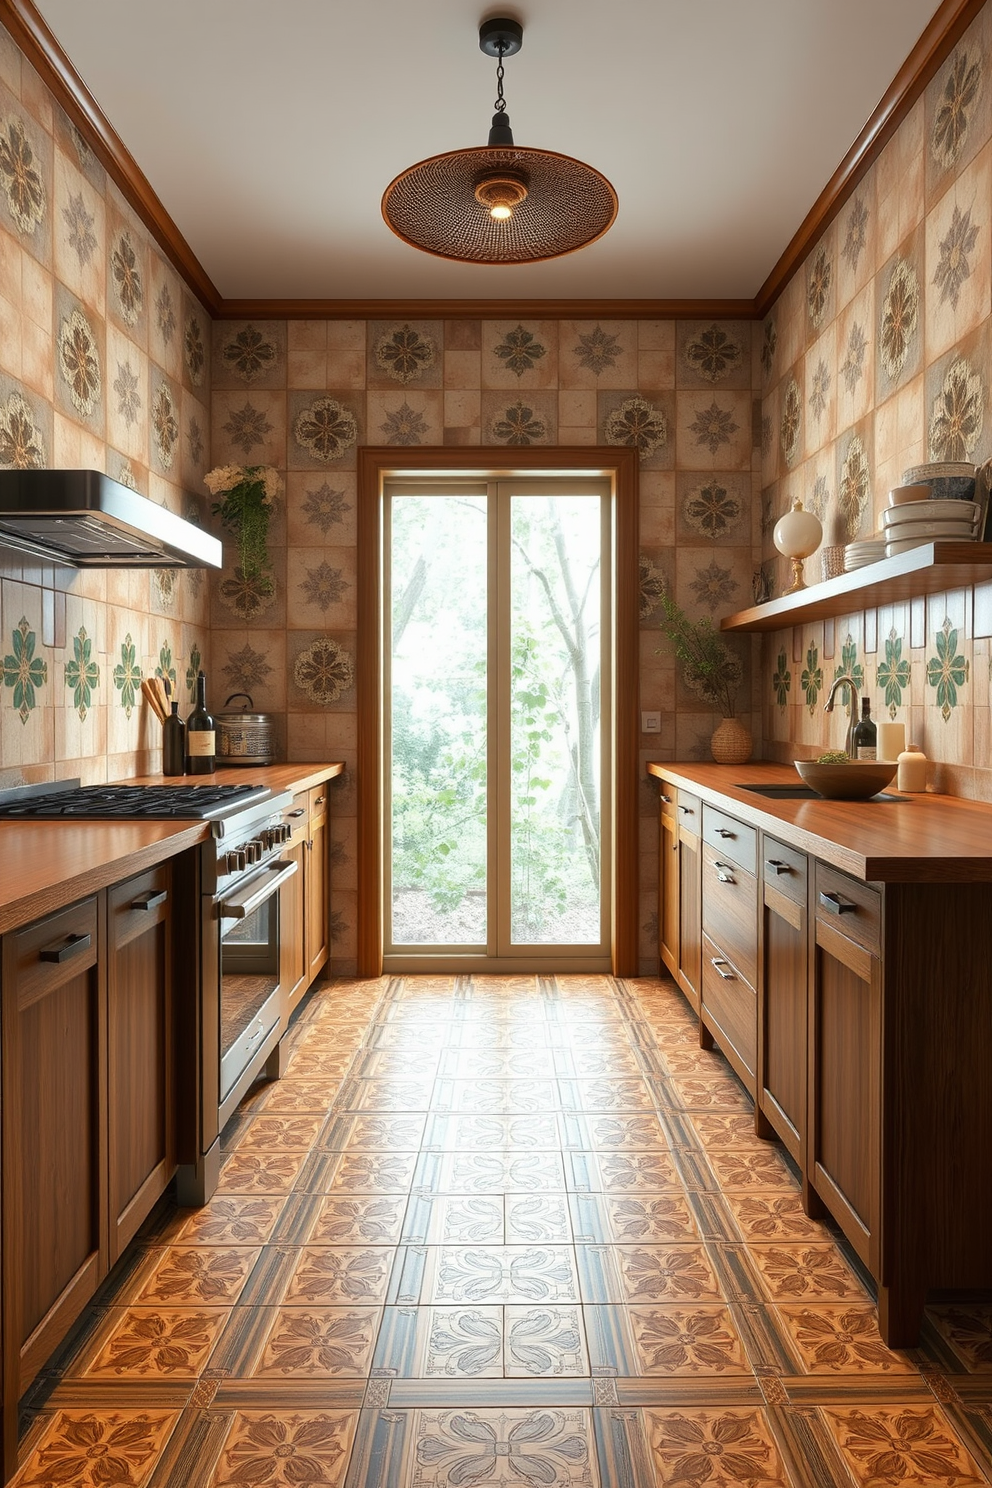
891	740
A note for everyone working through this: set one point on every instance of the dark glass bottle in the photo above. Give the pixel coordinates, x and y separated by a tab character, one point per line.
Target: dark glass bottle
200	735
866	734
174	744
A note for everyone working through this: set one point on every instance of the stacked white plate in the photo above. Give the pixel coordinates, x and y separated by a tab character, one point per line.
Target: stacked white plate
948	479
870	550
928	521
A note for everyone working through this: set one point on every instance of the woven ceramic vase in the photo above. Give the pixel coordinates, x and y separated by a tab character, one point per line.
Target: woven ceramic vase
731	743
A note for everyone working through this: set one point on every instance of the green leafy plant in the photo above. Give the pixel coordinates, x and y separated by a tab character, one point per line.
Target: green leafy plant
709	668
248	492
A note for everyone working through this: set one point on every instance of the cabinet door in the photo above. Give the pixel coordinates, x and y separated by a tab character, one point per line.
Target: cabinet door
140	1066
292	965
668	893
55	1244
844	1125
690	917
316	917
782	1018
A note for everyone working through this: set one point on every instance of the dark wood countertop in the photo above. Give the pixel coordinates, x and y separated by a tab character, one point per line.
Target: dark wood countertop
920	838
48	864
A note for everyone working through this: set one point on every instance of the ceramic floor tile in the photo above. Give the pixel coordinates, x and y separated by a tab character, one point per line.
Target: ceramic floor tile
319	1343
235	1220
773	1216
96	1448
156	1343
544	1343
286	1448
281	1134
663	1273
509	1273
260	1172
187	1274
664	1216
806	1273
390	1134
374	1173
377	1221
967	1328
500	1173
511	1446
738	1170
538	1217
306	1094
901	1444
721	1448
693	1340
458	1133
839	1338
340	1273
625	1172
705	1093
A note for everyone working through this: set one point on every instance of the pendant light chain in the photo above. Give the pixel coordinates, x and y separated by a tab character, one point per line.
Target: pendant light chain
500	104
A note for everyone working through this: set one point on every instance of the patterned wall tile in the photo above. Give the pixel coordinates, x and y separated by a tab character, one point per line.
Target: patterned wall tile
519	356
249	354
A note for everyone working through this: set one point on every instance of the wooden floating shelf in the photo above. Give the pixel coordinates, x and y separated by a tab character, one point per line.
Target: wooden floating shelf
931	568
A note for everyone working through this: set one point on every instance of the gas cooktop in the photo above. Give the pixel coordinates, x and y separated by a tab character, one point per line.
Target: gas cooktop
70	800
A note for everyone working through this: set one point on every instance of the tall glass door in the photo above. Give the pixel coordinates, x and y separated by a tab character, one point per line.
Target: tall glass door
498	684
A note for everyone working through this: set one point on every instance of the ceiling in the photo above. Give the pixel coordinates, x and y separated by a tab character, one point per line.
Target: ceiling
269	130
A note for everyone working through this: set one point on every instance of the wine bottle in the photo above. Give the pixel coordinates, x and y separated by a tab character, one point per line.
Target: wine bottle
866	734
174	743
200	735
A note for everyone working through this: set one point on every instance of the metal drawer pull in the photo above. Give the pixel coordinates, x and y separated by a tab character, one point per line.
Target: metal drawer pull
716	962
686	809
64	950
319	801
777	866
724	873
667	799
298	812
253	1038
151	900
837	904
725	832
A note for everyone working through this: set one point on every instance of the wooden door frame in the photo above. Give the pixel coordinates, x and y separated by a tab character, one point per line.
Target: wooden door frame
375	465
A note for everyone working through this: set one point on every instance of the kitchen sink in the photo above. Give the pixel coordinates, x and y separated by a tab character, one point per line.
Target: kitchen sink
800	792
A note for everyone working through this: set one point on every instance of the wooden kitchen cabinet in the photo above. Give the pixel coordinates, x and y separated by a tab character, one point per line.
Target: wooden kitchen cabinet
316	878
679	908
782	995
140	1066
728	1010
668	887
305	922
54	1143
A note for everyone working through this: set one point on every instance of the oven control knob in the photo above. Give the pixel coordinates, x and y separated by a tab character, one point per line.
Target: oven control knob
242	859
230	863
253	850
285	832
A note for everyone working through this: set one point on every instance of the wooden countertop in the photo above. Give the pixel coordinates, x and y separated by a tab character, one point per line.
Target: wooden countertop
45	865
920	838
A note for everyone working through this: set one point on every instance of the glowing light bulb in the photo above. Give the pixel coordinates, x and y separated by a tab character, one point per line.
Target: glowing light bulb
501	212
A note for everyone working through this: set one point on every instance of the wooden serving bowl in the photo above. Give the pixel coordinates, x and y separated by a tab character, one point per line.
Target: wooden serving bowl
858	780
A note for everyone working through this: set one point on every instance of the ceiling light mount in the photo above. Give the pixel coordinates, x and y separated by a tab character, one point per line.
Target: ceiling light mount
500	203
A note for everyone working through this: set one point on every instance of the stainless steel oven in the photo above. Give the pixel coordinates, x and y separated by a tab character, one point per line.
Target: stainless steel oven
251	1009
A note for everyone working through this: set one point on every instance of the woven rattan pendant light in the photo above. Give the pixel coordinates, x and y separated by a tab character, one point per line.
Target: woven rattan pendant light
500	203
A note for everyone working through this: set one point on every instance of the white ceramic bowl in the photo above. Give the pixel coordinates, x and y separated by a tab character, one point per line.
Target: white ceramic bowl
940	469
931	511
892	548
953	531
903	495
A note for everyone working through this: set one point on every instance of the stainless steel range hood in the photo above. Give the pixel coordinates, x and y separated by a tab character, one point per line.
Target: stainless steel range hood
83	519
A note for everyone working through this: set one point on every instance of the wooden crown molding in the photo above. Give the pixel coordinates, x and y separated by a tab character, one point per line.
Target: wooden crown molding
32	34
948	24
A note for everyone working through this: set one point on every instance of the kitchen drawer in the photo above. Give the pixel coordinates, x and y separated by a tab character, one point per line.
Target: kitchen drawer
730	1007
52	951
297	817
317	803
668	797
690	812
784	868
730	911
138	903
731	838
851	907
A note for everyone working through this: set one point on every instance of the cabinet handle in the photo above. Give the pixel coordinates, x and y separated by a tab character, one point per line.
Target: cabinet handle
66	949
724	872
775	865
667	799
151	900
837	904
716	962
298	812
725	832
319	801
686	809
253	1038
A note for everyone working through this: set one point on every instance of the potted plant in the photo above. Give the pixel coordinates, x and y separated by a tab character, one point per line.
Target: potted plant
248	492
712	671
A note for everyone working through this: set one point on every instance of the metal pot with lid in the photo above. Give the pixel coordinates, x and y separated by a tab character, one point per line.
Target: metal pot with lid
244	737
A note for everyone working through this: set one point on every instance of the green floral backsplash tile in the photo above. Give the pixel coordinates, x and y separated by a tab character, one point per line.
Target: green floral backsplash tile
782	680
893	673
812	677
948	670
23	671
82	674
850	666
127	675
165	669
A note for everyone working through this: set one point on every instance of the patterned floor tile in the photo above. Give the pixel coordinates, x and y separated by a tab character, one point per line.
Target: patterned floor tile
377	1221
187	1274
300	1095
901	1444
260	1172
374	1172
155	1342
773	1216
505	1172
624	1172
496	1096
738	1170
95	1448
806	1273
373	1134
716	1131
699	1339
664	1216
340	1273
662	1273
544	1343
833	1338
238	1220
721	1448
967	1328
285	1449
705	1093
281	1134
507	1447
509	1273
319	1343
537	1217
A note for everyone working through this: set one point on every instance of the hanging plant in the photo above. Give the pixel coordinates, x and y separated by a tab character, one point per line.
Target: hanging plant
248	492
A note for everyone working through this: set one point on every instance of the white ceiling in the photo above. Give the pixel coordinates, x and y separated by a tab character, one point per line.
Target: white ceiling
269	128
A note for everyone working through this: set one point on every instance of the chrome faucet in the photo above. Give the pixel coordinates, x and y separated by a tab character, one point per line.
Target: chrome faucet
852	712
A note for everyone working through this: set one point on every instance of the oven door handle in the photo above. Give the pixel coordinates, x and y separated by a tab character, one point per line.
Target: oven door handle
239	909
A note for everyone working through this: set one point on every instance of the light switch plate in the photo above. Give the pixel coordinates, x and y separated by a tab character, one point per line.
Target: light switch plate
650	723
